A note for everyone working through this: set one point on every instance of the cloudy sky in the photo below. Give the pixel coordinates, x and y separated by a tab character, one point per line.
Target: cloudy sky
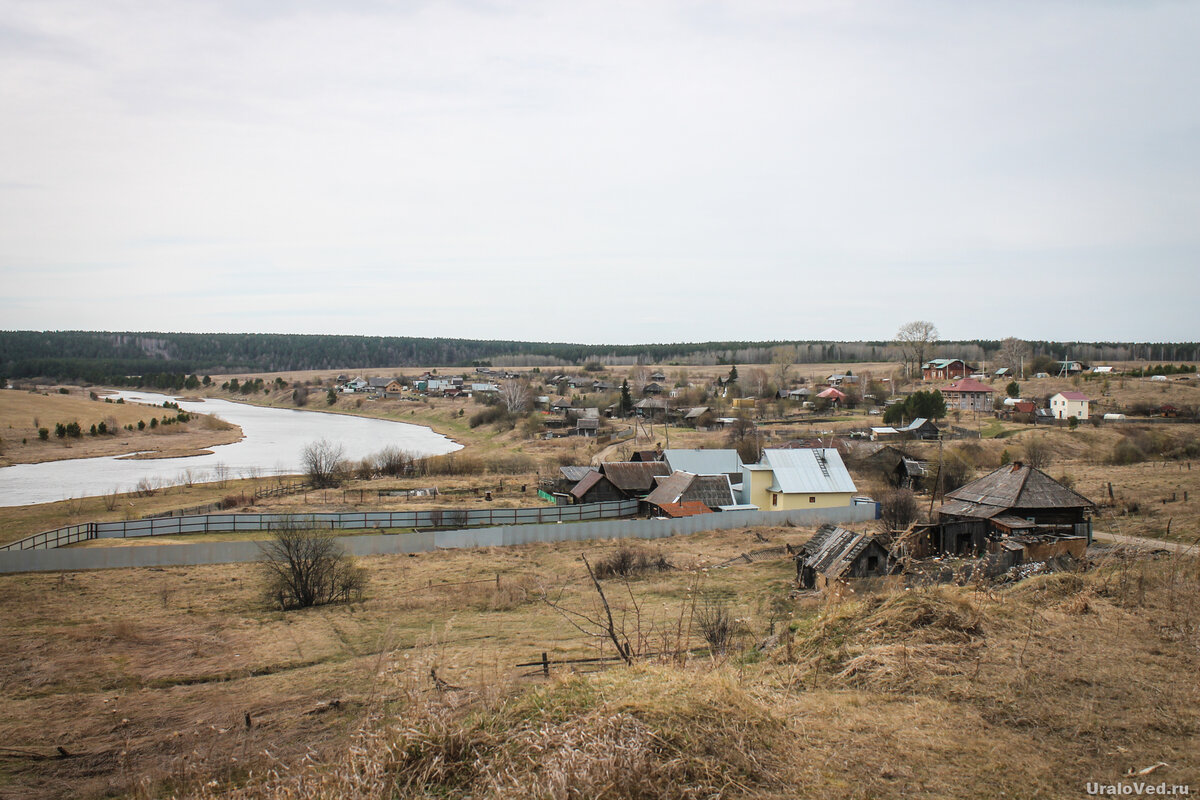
602	171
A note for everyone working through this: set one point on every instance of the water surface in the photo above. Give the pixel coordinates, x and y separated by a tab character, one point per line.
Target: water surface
274	440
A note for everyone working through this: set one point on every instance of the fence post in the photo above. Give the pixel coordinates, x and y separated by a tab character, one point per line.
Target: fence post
545	665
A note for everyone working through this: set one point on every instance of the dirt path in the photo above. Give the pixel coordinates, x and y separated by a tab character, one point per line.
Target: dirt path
1149	544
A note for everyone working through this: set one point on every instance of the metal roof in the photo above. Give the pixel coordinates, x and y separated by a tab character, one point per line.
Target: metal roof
704	462
808	470
576	473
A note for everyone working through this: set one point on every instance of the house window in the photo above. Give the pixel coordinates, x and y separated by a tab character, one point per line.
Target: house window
812	499
872	563
774	499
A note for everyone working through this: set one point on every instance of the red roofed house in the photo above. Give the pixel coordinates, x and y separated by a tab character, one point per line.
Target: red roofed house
969	395
1069	404
834	396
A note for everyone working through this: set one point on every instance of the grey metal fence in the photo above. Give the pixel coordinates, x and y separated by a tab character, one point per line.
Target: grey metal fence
164	555
356	520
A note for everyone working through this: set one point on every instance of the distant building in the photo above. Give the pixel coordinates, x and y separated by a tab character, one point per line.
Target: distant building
797	478
943	369
968	394
1065	405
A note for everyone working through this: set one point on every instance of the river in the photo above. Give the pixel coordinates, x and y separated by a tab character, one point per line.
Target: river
274	439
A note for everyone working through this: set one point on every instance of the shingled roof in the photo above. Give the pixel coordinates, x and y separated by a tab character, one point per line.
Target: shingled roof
712	490
634	477
1013	486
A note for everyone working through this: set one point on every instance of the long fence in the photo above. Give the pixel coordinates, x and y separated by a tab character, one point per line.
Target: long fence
178	555
351	521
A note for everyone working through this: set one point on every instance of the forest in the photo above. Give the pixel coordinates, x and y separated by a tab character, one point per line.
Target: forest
131	358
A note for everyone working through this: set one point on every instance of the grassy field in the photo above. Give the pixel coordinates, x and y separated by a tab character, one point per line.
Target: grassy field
23	413
145	678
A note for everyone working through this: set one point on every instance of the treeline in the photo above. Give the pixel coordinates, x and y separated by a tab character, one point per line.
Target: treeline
163	360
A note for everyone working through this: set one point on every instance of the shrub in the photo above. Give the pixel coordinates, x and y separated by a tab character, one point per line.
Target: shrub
43	434
625	562
1127	452
153	423
308	568
73	430
102	427
898	509
63	390
60	430
494	414
141	426
323	464
717	625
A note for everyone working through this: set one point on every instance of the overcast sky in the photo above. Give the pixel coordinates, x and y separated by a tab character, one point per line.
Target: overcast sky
602	171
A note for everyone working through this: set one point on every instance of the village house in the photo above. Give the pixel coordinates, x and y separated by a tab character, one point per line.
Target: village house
834	555
801	478
834	396
968	394
1069	404
680	488
946	369
705	462
920	428
635	479
1013	501
595	488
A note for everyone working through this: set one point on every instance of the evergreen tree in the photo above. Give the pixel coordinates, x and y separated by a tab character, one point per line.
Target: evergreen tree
626	398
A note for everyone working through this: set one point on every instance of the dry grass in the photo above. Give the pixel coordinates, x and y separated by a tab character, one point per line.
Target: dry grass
20	410
145	676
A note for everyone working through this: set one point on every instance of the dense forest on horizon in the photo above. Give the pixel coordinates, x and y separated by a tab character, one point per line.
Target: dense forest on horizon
128	357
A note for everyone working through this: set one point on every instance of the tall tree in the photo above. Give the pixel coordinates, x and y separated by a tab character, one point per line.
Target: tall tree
1013	352
916	340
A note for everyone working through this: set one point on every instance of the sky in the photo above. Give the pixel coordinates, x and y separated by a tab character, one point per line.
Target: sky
602	172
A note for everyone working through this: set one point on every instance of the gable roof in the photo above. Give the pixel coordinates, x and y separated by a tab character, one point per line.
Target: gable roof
1014	486
704	462
634	476
808	470
832	392
832	549
1071	396
589	481
712	490
575	473
942	363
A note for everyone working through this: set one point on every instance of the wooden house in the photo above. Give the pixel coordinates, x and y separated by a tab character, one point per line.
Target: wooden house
834	555
595	488
968	394
714	491
946	369
635	479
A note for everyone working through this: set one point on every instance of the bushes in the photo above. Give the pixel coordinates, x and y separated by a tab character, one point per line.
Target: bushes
898	509
625	562
307	568
489	415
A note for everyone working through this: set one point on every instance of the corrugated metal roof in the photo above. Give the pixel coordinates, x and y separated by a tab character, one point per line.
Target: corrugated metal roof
576	473
808	470
704	462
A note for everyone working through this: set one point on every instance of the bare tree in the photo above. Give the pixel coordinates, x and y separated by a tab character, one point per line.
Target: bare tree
783	357
1012	354
516	395
322	462
755	382
916	340
306	568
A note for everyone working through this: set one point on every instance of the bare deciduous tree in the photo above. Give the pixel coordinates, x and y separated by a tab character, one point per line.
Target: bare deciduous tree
306	568
916	340
516	395
322	462
1012	353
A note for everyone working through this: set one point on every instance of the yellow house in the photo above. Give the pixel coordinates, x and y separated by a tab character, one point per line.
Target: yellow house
803	478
